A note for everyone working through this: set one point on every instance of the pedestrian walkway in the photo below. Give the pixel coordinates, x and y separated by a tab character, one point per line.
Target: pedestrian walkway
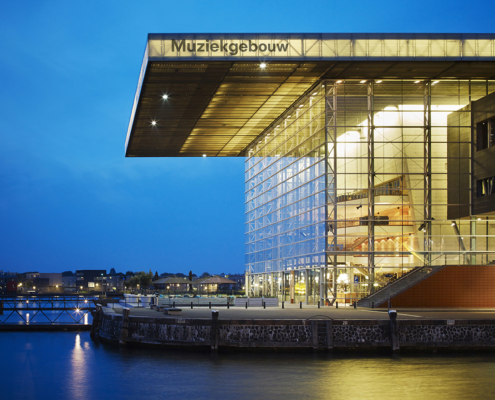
292	311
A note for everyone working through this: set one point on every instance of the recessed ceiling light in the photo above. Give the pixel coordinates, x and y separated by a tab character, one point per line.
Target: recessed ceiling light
288	116
417	81
302	105
204	155
165	97
363	82
262	65
153	123
315	93
278	126
378	82
435	82
338	82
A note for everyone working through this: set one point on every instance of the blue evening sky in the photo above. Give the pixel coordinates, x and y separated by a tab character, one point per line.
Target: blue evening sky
69	198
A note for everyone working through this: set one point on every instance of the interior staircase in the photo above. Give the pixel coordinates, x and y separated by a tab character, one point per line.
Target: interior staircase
356	243
406	281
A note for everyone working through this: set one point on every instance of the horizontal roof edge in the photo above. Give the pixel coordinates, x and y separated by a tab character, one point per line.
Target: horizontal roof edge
329	35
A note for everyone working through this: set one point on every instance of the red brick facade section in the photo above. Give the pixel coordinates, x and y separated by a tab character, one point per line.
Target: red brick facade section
452	286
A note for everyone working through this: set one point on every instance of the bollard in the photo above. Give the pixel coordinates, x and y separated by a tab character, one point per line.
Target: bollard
228	304
300	304
214	331
336	304
209	305
264	305
173	304
282	304
394	335
319	303
246	304
372	304
355	304
191	305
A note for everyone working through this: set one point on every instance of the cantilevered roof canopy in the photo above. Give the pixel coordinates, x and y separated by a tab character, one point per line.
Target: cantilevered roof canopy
214	94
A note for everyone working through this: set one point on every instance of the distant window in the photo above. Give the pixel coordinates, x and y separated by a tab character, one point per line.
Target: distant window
485	187
485	134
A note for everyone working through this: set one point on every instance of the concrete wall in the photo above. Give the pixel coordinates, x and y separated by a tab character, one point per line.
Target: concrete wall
54	278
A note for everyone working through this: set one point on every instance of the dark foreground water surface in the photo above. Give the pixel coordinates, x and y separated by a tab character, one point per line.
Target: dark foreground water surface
67	365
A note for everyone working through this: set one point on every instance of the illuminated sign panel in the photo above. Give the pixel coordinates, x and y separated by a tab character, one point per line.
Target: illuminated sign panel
322	46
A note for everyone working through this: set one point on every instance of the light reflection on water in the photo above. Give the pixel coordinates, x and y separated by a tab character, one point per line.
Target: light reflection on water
60	365
78	367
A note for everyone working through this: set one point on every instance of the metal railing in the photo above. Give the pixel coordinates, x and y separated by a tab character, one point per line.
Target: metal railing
76	307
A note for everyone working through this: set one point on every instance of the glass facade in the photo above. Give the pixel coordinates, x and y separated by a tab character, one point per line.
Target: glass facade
356	184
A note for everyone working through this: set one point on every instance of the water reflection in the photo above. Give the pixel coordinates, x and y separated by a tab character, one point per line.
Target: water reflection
78	378
60	365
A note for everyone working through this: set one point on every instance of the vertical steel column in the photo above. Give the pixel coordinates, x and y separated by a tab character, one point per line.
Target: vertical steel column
472	244
331	178
306	278
472	240
371	190
323	284
246	283
427	171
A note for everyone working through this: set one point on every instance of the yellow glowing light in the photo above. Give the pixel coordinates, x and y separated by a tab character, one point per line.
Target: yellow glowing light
153	123
262	65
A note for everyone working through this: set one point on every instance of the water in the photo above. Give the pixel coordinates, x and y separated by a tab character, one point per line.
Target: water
67	365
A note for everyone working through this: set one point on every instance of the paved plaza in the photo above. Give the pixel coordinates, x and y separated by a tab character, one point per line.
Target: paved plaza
313	312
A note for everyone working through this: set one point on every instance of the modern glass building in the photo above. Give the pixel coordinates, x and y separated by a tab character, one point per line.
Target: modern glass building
369	158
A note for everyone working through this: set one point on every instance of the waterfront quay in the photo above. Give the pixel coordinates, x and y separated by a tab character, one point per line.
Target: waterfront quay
325	329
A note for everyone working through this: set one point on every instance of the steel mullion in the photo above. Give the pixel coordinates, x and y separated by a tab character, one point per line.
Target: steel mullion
371	187
427	172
